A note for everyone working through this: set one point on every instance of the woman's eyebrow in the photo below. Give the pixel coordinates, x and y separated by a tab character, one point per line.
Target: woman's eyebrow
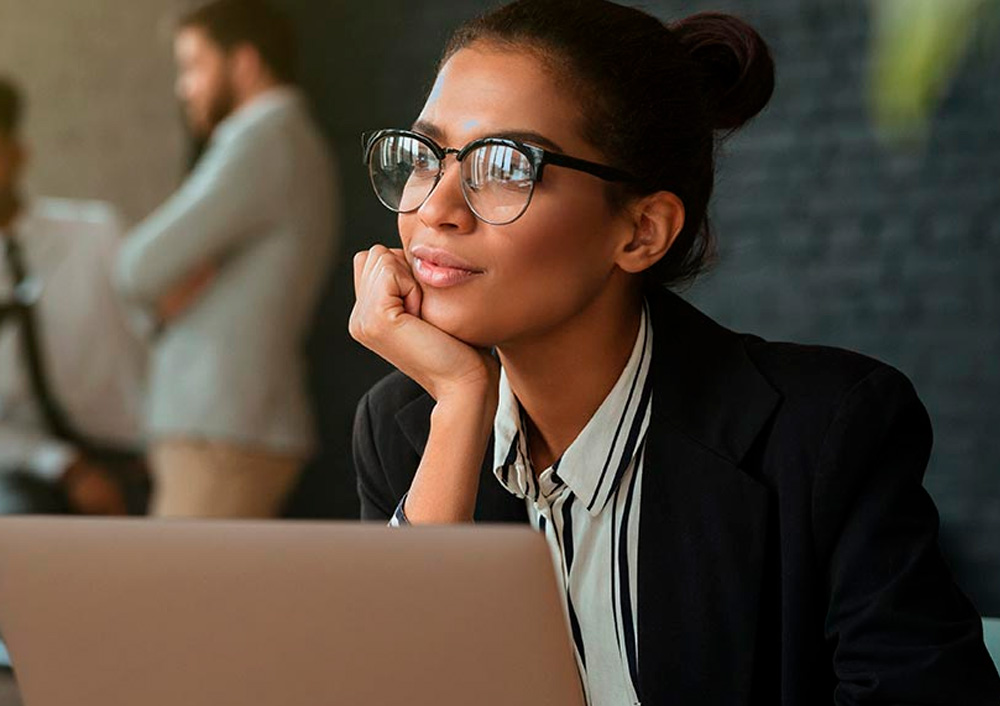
529	136
431	130
435	133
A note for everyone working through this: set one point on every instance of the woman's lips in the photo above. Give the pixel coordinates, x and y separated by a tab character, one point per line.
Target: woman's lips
438	268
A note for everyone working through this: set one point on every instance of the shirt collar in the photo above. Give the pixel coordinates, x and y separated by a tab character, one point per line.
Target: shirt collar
591	466
256	110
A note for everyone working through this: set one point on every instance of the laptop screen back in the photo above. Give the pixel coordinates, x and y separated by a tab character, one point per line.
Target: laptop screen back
120	612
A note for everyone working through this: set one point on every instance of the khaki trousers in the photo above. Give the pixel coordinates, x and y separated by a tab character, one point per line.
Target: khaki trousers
215	479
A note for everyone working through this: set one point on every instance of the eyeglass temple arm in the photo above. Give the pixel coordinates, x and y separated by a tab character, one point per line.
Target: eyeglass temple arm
581	165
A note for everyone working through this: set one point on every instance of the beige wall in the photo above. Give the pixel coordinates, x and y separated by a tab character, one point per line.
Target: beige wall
102	121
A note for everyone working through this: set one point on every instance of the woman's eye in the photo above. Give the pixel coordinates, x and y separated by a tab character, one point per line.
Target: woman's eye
422	165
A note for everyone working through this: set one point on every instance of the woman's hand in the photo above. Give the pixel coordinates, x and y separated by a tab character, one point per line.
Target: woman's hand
463	380
386	319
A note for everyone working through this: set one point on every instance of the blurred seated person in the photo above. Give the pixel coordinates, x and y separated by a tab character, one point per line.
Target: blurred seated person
232	265
71	369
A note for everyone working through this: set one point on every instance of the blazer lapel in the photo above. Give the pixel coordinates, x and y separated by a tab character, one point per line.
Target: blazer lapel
494	503
703	520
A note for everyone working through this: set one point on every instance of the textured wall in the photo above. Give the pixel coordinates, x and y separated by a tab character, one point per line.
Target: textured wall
101	119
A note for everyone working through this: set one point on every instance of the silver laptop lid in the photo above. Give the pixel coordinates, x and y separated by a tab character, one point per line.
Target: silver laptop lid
163	613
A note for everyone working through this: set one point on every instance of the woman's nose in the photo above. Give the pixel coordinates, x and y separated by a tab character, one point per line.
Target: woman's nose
446	208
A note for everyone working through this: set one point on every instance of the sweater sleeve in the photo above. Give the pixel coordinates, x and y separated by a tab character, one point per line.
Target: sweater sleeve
231	194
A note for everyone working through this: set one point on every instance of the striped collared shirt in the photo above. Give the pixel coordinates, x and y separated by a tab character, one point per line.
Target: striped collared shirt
587	506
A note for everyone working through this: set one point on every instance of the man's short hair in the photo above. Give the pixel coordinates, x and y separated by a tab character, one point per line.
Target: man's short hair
230	23
11	107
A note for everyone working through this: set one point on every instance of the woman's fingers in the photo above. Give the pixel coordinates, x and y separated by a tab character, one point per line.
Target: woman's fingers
360	259
409	289
396	282
372	262
384	290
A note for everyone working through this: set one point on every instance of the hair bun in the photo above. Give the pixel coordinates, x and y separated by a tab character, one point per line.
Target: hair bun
739	70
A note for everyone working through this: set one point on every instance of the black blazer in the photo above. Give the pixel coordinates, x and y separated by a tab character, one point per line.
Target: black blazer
787	551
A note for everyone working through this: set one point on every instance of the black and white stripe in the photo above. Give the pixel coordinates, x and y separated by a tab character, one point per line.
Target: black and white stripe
587	506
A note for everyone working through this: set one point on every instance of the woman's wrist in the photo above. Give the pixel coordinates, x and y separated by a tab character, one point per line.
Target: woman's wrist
477	381
472	401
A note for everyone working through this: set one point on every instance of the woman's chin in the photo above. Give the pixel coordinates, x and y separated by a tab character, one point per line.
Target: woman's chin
462	322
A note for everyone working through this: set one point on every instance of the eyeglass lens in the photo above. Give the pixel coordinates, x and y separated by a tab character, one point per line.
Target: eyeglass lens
497	179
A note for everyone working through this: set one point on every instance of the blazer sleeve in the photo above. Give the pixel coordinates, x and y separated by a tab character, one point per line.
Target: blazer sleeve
377	500
900	629
230	196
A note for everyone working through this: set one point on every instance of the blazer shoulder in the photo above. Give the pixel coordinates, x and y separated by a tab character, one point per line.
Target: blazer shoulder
816	375
834	402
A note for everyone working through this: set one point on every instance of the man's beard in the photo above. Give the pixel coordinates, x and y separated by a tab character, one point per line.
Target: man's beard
220	107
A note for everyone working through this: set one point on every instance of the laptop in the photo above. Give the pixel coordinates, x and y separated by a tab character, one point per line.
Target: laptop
101	612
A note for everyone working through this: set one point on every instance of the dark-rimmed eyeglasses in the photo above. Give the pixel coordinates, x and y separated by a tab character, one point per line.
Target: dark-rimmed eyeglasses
498	174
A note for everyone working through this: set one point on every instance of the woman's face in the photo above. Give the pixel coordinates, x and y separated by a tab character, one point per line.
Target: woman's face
493	285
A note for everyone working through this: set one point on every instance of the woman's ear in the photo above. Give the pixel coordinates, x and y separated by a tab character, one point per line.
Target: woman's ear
655	219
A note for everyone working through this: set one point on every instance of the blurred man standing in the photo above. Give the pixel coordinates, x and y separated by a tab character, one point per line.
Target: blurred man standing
71	370
232	265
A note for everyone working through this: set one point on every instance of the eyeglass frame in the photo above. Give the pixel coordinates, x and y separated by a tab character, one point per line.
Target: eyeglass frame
538	158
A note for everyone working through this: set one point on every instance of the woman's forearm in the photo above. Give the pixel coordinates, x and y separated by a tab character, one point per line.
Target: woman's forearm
446	484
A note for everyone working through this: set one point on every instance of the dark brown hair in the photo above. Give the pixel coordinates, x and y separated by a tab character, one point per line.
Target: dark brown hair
11	107
655	98
230	23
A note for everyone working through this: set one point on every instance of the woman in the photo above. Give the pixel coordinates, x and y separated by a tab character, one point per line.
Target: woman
735	521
